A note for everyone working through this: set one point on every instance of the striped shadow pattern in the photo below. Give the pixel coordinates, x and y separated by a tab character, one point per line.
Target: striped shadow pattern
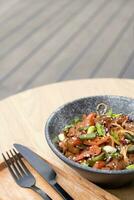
55	36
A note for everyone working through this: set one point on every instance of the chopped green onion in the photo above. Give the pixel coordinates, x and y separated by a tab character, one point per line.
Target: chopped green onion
99	157
76	120
83	128
67	127
91	129
87	136
116	115
86	128
130	166
111	114
100	129
92	161
112	155
109	156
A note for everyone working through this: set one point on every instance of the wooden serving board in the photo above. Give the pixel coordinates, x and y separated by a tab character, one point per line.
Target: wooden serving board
22	120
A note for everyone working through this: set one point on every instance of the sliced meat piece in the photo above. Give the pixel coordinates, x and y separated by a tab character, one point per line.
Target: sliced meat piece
94	150
129	126
90	119
83	154
99	164
116	164
63	146
74	141
121	119
105	120
131	158
97	141
71	132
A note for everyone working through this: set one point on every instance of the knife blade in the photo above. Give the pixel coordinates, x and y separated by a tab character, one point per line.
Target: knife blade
43	168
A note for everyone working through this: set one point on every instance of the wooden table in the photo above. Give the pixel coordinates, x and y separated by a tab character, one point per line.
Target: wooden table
22	120
76	38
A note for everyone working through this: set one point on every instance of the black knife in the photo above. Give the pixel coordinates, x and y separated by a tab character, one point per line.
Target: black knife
43	168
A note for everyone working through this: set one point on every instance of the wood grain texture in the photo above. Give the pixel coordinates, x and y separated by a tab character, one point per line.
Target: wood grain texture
22	119
128	69
44	46
5	6
40	45
97	50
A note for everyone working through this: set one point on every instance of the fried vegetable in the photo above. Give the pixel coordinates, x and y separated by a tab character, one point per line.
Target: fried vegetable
92	160
112	115
130	167
99	157
129	137
71	125
130	149
102	140
61	137
110	156
113	155
109	149
91	129
76	120
67	127
115	137
83	128
100	129
88	136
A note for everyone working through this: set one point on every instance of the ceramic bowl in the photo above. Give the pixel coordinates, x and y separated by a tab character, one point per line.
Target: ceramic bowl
64	114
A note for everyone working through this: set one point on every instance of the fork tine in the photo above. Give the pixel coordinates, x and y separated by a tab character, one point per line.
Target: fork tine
9	167
17	163
21	162
13	165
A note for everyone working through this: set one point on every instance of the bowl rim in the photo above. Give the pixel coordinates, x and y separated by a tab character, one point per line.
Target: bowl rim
71	162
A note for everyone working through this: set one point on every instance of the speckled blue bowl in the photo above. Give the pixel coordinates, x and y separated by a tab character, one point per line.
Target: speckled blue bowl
64	114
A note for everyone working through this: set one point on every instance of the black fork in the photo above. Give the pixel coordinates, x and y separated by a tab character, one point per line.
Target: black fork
21	174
